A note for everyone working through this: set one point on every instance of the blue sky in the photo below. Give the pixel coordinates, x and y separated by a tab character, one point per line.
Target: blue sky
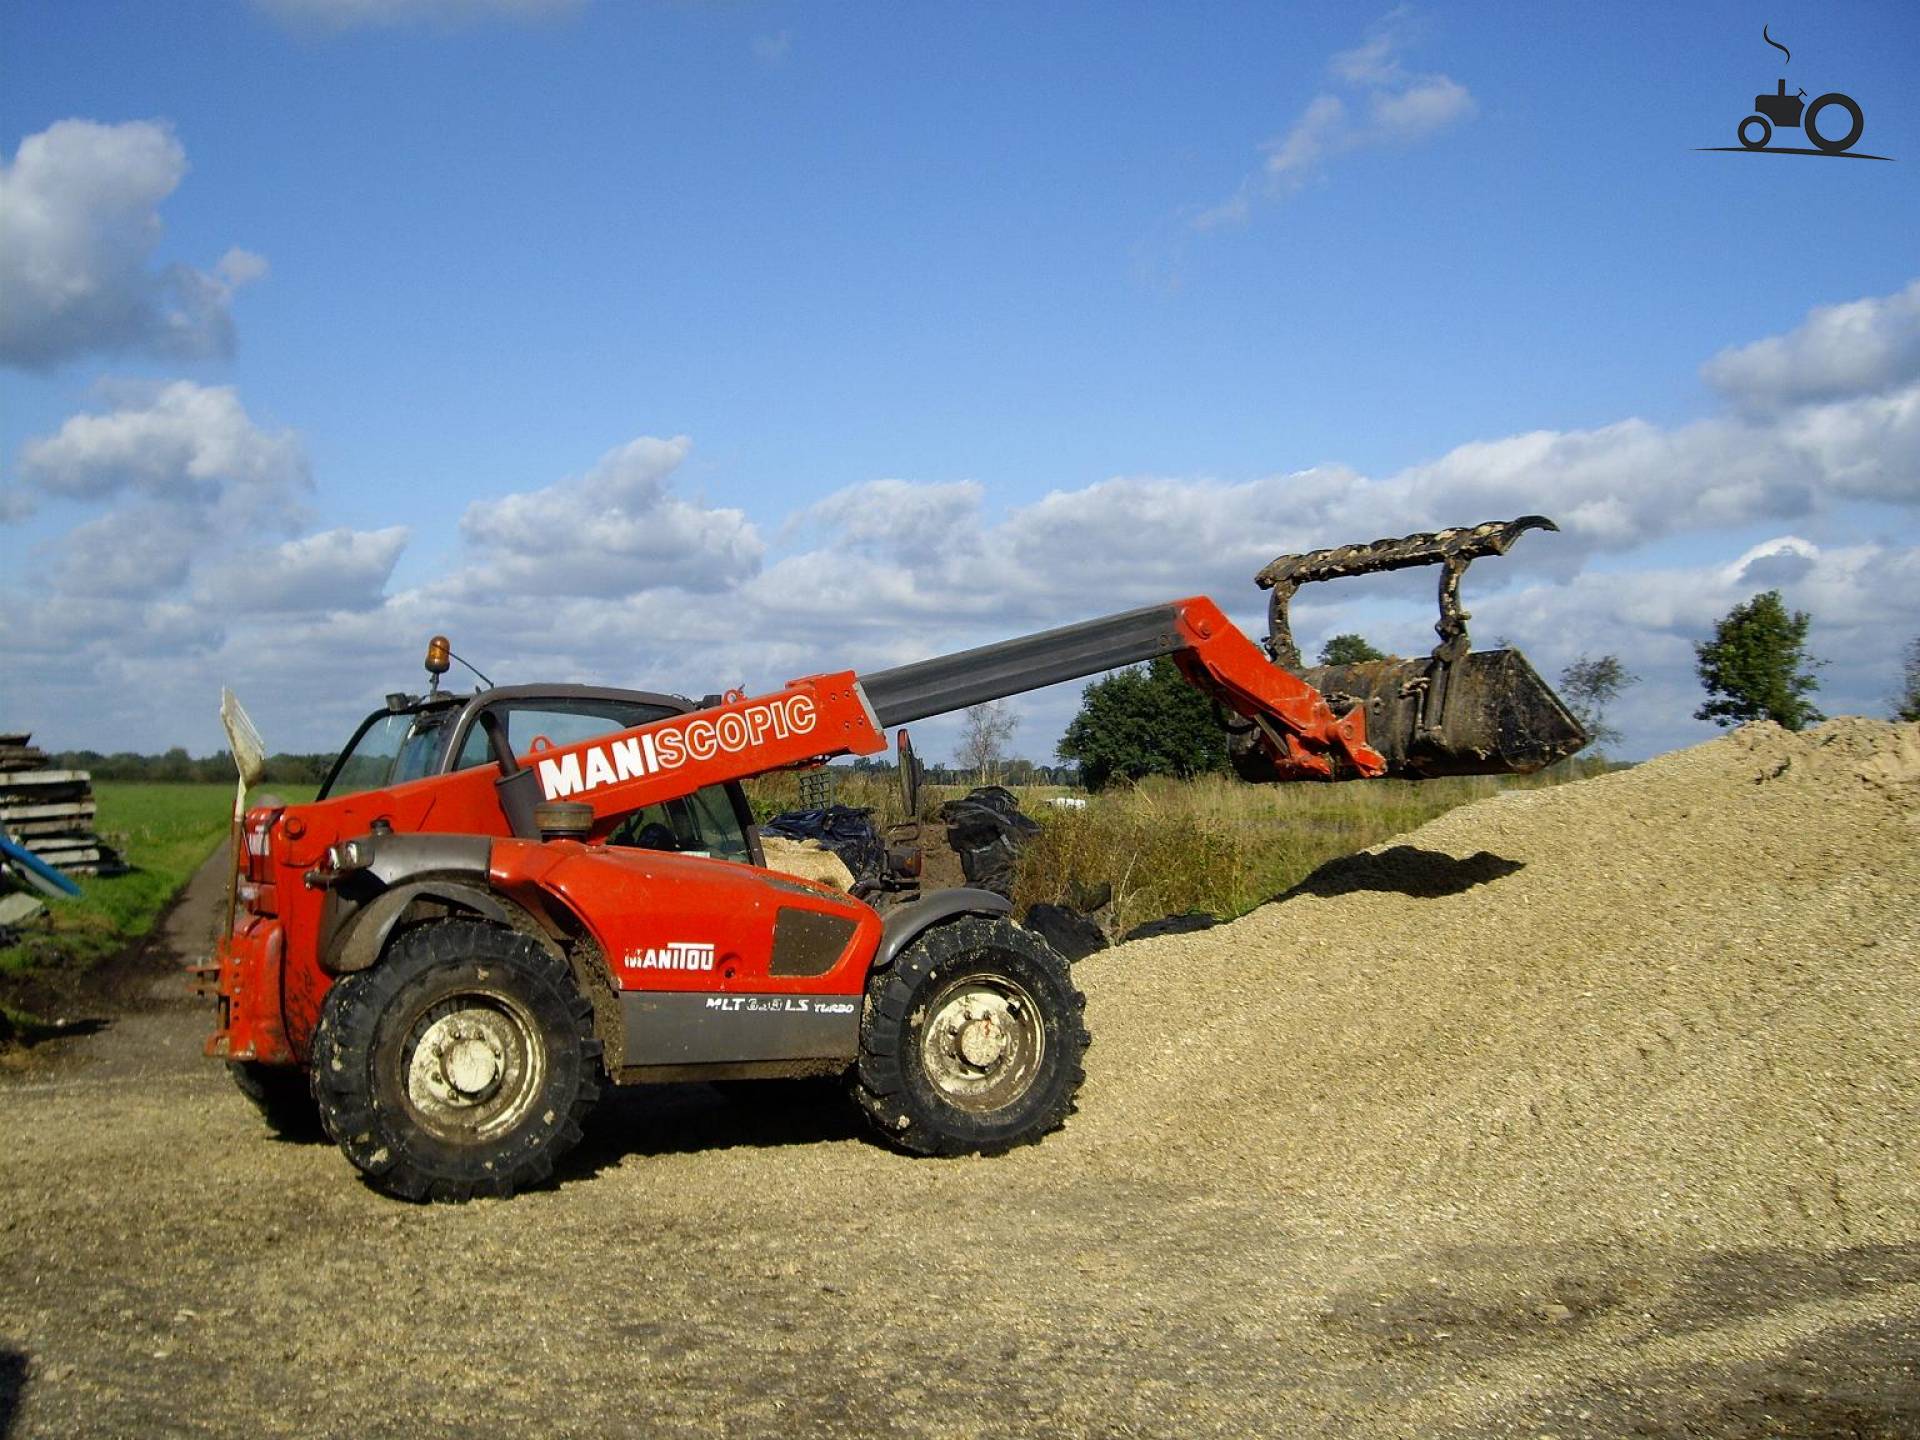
689	345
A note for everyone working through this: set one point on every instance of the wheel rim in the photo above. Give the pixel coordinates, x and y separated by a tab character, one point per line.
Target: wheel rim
474	1066
983	1042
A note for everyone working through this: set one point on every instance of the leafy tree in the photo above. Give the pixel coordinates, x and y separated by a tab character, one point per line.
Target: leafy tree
985	732
1349	650
1906	705
1592	684
1144	721
1756	666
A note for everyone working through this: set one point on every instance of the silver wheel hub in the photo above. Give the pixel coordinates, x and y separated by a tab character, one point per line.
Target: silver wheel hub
983	1042
474	1066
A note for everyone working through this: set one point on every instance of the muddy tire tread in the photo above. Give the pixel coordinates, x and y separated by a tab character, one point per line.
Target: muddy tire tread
880	1082
349	1029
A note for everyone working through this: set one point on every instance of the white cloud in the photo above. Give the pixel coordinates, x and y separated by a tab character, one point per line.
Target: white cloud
241	267
616	577
79	221
897	517
1388	105
1864	600
614	531
1425	107
349	14
1860	348
176	562
1321	130
180	442
335	570
773	49
134	553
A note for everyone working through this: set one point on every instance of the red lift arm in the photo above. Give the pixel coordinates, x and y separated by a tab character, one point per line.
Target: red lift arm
821	716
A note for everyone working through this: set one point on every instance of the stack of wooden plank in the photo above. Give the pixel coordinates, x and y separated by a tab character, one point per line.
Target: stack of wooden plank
51	811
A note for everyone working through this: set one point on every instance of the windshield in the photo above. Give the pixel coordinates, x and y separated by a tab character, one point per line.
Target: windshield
390	749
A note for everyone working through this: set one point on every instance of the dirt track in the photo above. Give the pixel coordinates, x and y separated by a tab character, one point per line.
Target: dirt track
1638	1157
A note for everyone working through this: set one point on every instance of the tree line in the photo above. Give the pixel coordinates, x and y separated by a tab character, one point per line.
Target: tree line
176	766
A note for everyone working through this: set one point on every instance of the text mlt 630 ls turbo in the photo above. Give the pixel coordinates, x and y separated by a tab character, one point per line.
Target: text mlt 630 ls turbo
503	900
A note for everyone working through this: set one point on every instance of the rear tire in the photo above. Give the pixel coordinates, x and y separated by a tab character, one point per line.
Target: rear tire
282	1096
971	1042
1839	144
463	1064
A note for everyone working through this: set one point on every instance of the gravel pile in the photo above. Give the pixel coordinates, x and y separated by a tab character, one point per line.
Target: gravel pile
1582	1113
1677	1002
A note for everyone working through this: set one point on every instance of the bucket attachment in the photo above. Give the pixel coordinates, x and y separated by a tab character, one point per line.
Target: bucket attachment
1455	712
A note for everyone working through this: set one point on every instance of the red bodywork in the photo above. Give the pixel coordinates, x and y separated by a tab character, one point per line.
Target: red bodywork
271	980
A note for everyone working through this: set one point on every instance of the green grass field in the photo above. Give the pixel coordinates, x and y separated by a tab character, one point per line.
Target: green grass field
1216	845
165	832
1169	846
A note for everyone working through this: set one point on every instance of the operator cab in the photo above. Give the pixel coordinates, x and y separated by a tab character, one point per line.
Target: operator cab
416	736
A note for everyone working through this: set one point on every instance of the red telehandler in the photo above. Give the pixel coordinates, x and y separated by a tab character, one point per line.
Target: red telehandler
502	900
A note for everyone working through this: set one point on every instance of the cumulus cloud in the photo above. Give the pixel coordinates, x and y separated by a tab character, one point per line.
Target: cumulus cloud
120	623
142	551
616	530
895	517
1385	104
181	442
1864	600
335	570
1860	348
615	576
79	222
349	14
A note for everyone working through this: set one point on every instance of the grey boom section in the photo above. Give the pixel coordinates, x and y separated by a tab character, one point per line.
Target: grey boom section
973	677
681	1027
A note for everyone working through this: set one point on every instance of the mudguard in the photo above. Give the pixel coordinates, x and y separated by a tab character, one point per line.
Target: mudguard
360	936
906	922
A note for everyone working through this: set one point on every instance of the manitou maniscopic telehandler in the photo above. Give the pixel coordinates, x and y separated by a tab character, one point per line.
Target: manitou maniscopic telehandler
502	900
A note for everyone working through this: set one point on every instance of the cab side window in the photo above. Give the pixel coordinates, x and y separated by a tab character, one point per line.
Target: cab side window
703	823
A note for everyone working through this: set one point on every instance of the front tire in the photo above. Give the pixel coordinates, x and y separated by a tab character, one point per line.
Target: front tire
463	1064
972	1041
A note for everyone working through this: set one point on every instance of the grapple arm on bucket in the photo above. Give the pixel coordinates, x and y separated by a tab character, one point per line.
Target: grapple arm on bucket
1453	550
1456	712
